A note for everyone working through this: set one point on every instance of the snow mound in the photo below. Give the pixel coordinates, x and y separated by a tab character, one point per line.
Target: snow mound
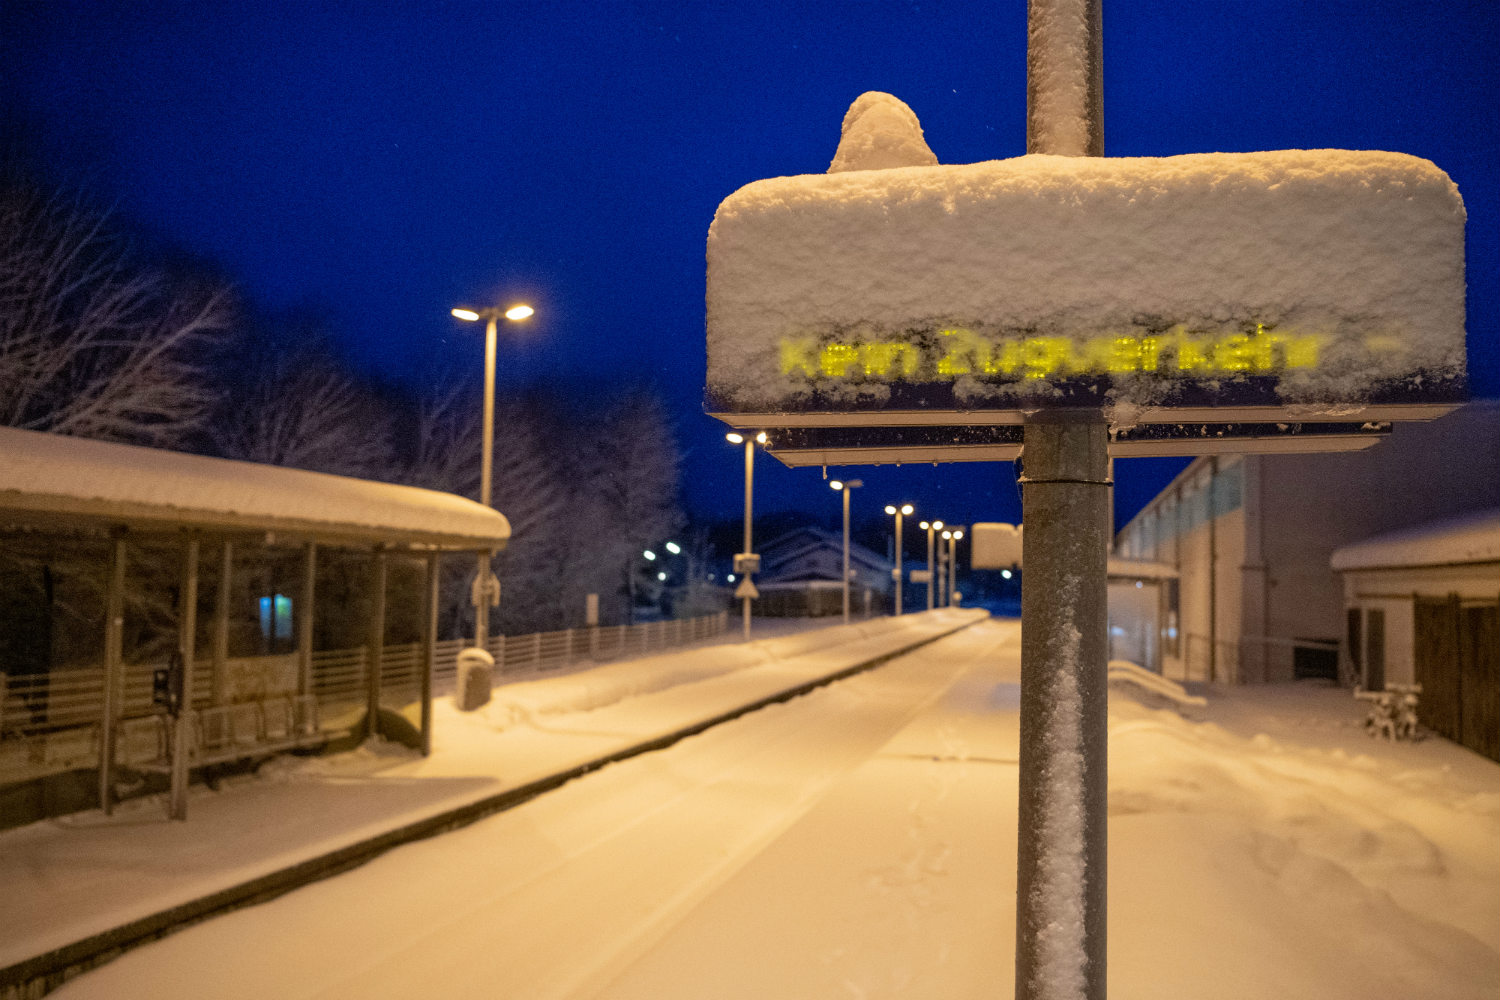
1127	673
880	132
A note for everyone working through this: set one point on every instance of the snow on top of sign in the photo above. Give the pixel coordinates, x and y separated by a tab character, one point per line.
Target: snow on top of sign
1471	538
1360	249
107	479
881	132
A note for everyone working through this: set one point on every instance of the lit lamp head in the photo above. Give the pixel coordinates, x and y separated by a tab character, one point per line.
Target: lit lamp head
519	311
735	437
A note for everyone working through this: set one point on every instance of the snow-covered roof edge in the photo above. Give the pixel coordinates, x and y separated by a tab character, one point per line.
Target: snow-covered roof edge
48	477
1468	538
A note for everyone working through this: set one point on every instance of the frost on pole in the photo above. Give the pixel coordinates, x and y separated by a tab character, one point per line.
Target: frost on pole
1310	283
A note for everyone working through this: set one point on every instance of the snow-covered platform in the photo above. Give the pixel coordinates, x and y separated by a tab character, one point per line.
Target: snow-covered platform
82	886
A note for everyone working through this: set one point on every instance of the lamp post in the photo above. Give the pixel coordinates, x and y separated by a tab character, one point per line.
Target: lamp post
943	594
900	512
747	563
953	563
844	487
930	527
485	585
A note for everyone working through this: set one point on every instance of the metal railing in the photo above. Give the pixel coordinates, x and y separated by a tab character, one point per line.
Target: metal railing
49	723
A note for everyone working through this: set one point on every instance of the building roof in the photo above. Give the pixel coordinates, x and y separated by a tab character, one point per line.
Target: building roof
50	480
1462	540
781	553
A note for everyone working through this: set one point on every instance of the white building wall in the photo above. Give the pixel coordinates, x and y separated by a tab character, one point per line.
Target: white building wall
1280	517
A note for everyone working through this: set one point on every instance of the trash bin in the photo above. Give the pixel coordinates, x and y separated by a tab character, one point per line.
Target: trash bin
476	670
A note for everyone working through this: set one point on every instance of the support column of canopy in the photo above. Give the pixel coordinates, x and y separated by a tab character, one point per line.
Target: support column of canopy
429	648
114	633
376	642
187	635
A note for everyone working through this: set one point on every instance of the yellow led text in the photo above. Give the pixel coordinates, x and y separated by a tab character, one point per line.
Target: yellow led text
957	351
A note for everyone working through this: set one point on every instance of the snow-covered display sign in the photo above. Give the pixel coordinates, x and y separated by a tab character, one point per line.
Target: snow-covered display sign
994	545
892	291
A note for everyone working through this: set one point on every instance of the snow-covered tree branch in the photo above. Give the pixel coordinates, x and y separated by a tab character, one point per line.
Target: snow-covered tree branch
91	343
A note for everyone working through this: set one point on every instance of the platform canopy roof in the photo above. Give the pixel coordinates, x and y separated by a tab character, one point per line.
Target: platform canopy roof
47	480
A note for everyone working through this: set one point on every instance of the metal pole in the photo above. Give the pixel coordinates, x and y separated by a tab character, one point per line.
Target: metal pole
486	463
952	568
305	622
899	603
846	553
429	650
114	635
377	644
931	570
1060	864
749	490
187	640
1060	875
220	693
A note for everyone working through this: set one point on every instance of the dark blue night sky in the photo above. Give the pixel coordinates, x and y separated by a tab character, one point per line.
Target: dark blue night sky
381	162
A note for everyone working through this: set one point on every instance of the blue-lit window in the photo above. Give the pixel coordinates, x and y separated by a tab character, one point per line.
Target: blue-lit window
276	617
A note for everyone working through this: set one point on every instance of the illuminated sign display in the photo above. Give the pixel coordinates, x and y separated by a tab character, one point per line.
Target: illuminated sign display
1300	285
959	351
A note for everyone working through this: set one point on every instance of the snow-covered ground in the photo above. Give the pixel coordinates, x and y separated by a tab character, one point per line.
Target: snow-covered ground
860	842
86	874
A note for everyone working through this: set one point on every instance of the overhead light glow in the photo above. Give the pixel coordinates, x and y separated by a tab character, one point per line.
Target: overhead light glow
661	576
650	556
889	509
1005	574
734	437
761	437
907	508
467	314
937	525
835	485
674	548
519	311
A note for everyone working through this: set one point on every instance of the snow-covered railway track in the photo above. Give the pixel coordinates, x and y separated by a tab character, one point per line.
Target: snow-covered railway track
554	898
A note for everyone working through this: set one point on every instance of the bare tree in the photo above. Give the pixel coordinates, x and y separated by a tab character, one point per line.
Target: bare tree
299	408
636	472
91	343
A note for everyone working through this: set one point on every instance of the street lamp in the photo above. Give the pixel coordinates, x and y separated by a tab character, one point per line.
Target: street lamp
930	527
900	512
953	562
844	488
746	563
486	587
944	595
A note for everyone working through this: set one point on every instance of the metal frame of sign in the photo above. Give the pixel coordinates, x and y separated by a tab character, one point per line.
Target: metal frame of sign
800	446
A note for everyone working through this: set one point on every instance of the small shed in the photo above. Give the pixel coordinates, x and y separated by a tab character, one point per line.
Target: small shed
1423	606
1142	611
202	706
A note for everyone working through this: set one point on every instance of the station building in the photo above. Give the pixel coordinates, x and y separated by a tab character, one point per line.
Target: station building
1251	538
